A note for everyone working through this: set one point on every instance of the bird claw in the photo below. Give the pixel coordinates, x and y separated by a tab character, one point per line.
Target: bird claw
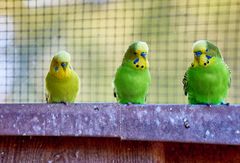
227	103
129	103
63	102
209	105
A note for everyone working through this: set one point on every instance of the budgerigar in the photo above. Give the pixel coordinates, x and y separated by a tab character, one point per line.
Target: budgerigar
62	82
208	78
132	79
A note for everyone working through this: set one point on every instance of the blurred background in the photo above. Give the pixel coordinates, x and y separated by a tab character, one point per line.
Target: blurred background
97	33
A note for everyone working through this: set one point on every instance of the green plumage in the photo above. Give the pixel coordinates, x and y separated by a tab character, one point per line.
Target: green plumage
132	79
131	86
62	82
207	83
64	90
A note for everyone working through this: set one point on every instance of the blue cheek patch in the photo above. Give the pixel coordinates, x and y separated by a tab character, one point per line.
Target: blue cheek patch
198	53
56	68
208	57
136	60
143	54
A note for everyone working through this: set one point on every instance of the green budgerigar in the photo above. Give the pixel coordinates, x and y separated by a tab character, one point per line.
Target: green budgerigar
208	78
132	78
62	82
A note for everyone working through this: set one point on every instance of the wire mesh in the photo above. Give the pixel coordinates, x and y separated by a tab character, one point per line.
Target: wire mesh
97	32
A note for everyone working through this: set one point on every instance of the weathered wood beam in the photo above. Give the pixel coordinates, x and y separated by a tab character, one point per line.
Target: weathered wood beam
152	122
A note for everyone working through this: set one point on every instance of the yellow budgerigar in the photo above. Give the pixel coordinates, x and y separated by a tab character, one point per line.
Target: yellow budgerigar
62	82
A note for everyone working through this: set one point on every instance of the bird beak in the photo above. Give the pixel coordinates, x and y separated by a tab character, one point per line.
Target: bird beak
64	65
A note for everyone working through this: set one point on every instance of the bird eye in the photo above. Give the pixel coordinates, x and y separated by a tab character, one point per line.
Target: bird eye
135	53
56	68
63	64
206	50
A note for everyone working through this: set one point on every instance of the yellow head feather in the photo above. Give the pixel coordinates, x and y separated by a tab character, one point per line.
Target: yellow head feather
60	65
136	55
201	54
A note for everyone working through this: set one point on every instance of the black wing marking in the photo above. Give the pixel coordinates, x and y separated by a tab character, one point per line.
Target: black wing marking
114	93
185	84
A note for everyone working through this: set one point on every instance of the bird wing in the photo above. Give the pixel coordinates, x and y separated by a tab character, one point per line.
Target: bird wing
230	78
185	83
214	50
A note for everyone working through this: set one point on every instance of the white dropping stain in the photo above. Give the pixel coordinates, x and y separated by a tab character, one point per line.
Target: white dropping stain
53	117
79	132
50	161
157	122
158	109
139	114
35	119
1	116
172	120
86	118
112	118
237	132
207	133
37	128
170	109
14	125
54	120
229	117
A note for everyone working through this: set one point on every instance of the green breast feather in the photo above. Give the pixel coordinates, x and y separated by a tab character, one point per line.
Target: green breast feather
207	85
131	85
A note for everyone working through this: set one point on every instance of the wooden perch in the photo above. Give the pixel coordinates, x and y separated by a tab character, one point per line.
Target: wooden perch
152	122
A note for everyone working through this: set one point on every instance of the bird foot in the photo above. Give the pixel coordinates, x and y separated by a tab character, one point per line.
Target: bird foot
209	105
63	102
227	103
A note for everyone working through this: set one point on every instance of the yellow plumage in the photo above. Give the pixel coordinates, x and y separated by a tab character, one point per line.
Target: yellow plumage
62	82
